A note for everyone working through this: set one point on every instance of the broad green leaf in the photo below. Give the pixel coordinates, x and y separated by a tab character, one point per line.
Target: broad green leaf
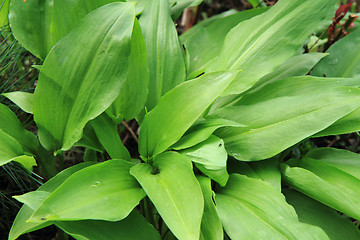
132	227
20	225
210	157
174	190
328	181
89	139
178	6
133	92
253	209
260	45
211	227
164	53
267	170
140	5
9	148
343	60
11	126
4	12
204	46
79	81
342	159
201	131
33	199
312	212
203	24
105	191
298	65
28	162
23	100
107	133
68	13
30	23
287	110
178	110
348	124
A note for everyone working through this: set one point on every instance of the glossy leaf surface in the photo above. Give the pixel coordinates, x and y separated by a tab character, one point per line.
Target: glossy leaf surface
79	81
178	110
105	191
107	133
68	13
211	227
20	225
286	110
260	45
210	157
204	46
252	209
343	60
30	22
132	227
312	212
23	100
11	126
267	170
202	130
133	92
174	190
164	53
328	179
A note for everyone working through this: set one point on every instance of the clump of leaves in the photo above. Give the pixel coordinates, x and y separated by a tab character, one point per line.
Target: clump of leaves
216	118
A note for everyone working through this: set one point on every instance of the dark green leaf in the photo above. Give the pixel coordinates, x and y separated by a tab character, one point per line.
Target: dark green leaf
253	209
79	81
178	110
260	45
312	212
164	53
105	191
210	157
173	188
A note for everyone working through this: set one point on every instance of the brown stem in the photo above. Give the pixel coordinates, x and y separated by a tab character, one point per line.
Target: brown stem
131	131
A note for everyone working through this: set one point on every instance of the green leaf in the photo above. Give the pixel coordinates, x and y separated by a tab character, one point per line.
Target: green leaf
132	227
68	13
211	227
204	46
28	162
164	53
175	192
178	6
260	45
312	212
178	110
79	81
11	126
343	60
9	148
20	225
252	209
328	179
4	12
210	157
30	22
23	100
107	189
33	199
286	110
107	133
202	130
266	170
134	90
298	65
89	139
